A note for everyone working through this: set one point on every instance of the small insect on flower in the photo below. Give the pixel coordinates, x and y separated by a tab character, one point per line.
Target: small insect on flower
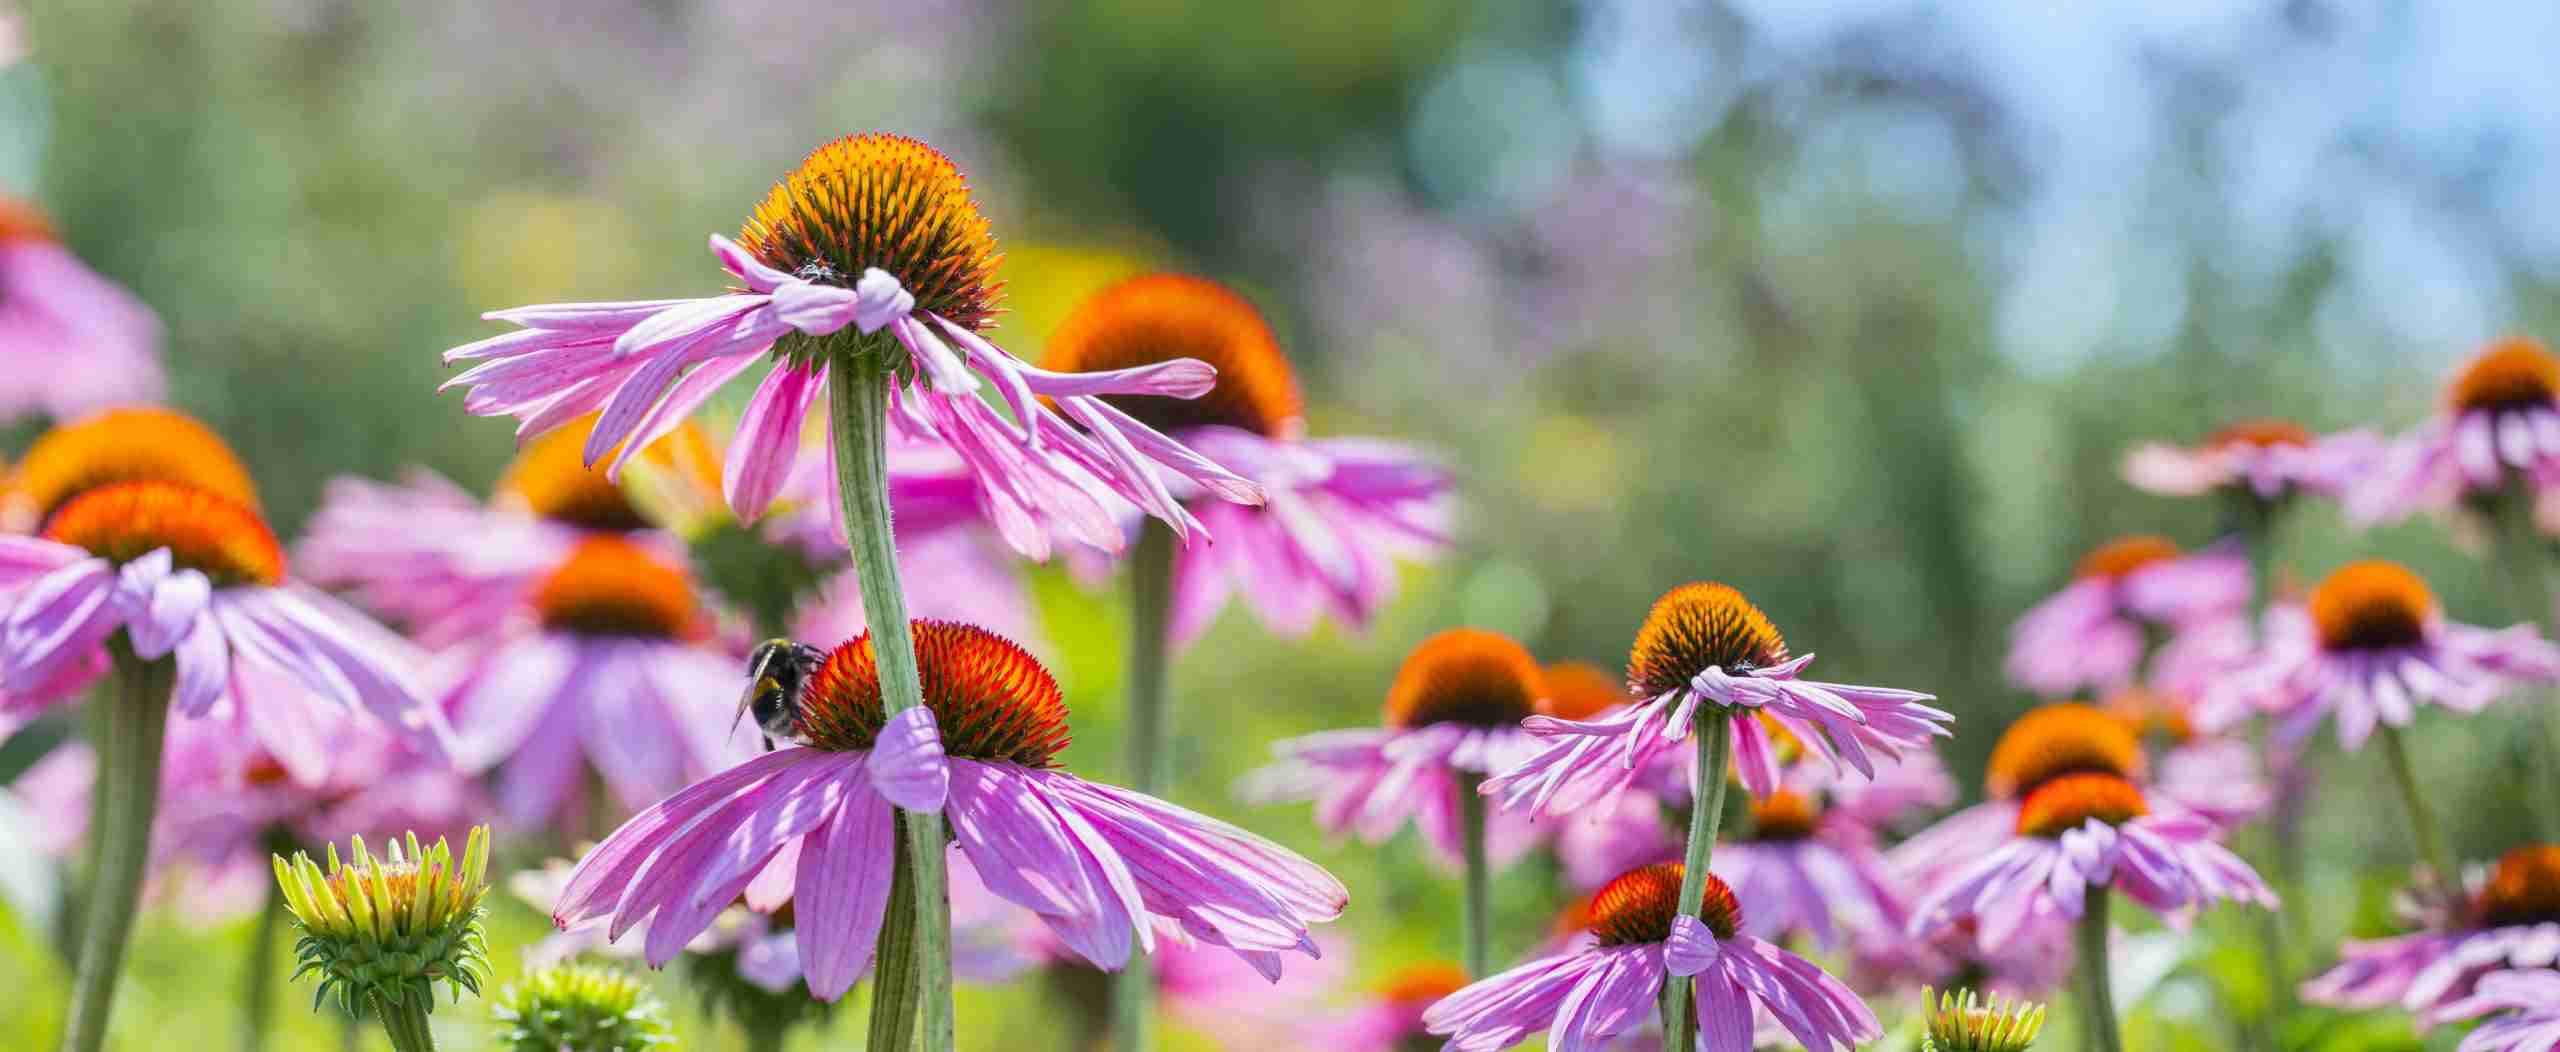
778	674
581	1008
385	929
1965	1023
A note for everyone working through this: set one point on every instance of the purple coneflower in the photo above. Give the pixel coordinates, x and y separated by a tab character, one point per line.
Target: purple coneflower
1452	716
1609	986
454	568
1706	653
74	341
2508	918
1338	512
2368	647
187	575
2266	459
606	668
1099	865
2500	428
870	258
1811	872
2092	633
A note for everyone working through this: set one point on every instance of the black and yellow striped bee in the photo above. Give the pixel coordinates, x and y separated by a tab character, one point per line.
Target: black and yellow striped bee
778	671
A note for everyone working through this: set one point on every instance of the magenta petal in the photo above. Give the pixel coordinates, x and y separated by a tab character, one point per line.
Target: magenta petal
843	893
204	665
601	878
1724	1015
907	764
768	438
1692	948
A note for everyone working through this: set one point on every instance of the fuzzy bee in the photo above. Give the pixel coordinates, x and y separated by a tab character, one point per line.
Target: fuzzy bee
778	670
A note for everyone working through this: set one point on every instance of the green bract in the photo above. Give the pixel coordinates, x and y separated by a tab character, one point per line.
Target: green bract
390	927
1967	1024
581	1008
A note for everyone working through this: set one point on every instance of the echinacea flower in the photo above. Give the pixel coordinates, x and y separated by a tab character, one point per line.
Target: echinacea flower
2054	741
2081	831
871	257
1965	1024
2368	647
1338	512
385	930
2266	459
2092	632
1100	865
196	577
73	340
1205	989
2032	963
1452	715
2524	1011
2500	425
1705	652
1388	1017
2509	918
1584	997
612	674
453	568
580	1008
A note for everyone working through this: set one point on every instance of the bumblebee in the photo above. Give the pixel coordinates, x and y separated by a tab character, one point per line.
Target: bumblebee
778	672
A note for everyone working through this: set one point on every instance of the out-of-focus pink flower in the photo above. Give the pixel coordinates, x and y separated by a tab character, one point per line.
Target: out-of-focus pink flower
606	668
951	575
2268	459
197	578
2500	425
1704	645
1207	989
828	280
1452	715
72	340
1611	985
1099	865
2509	918
1388	1017
2368	648
2084	830
1338	513
2090	634
1804	871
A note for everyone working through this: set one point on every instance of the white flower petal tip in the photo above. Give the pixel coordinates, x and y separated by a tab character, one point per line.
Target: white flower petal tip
907	763
1692	948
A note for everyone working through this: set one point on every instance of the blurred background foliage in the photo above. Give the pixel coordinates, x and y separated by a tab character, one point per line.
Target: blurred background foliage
1854	305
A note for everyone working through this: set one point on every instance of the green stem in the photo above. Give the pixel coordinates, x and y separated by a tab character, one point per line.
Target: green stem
1714	731
1149	749
2258	534
894	1006
2441	878
131	721
1471	816
859	397
2096	994
259	993
766	1036
406	1024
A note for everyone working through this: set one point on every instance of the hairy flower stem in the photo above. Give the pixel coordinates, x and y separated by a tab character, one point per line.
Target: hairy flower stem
859	397
2524	569
2089	971
406	1024
258	994
2441	877
1479	905
895	1009
1149	749
1714	731
130	720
